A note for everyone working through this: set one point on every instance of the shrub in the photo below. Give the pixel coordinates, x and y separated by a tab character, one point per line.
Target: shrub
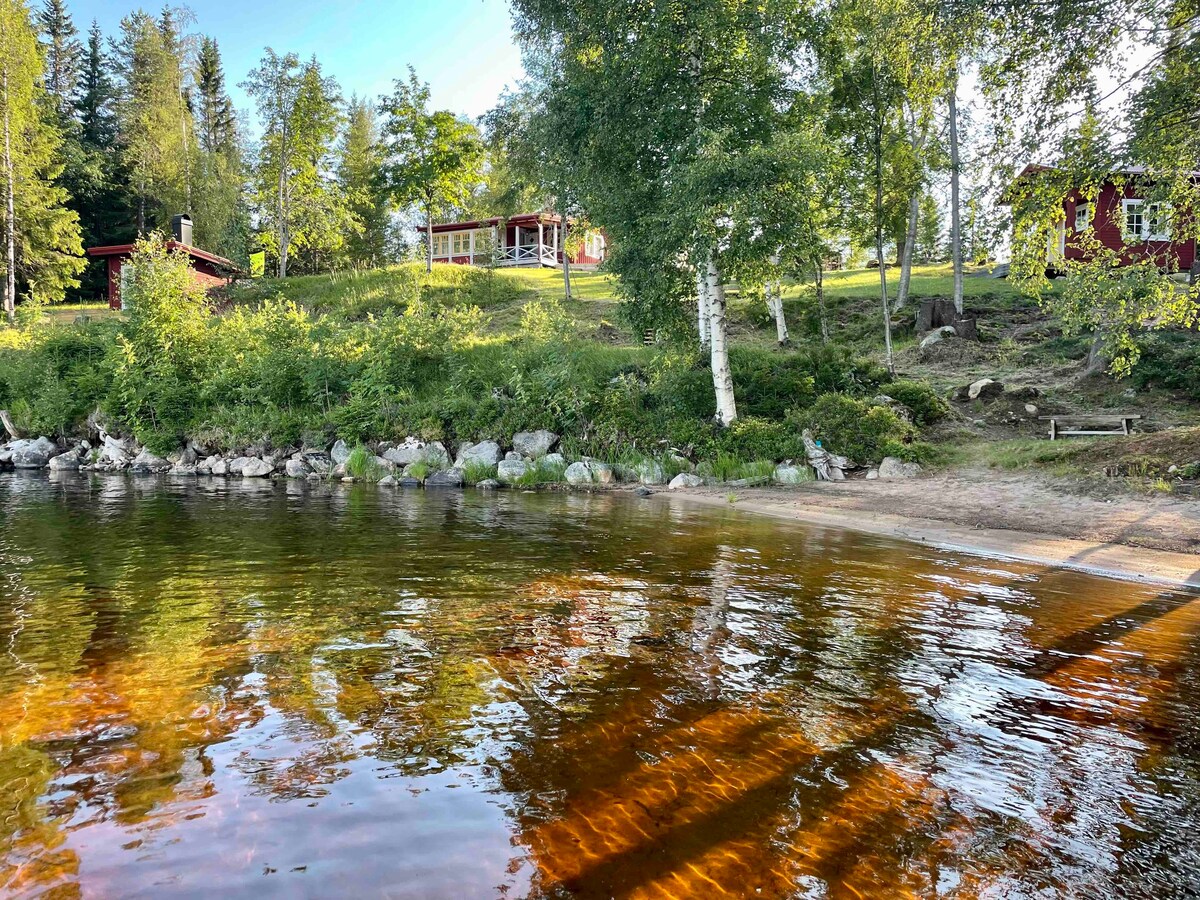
752	438
852	428
473	471
927	407
361	464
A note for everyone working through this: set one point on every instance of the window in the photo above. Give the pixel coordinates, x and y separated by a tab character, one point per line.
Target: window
1083	216
461	243
1147	221
441	245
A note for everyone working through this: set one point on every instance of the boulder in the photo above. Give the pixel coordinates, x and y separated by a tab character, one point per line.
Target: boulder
6	459
317	460
115	451
413	450
650	471
984	389
450	478
512	455
68	461
785	473
510	470
683	463
406	482
872	474
891	467
182	470
589	471
685	480
32	453
185	457
487	453
256	468
237	464
147	463
488	484
388	481
339	453
296	468
534	444
219	466
554	459
937	336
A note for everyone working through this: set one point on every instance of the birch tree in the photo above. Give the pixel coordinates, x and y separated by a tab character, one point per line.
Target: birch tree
432	158
42	252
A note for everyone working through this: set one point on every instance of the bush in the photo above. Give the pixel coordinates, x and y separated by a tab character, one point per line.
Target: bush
926	406
361	464
853	428
752	438
473	471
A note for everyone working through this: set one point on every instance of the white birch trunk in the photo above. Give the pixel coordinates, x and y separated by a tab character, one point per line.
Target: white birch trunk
955	215
281	211
775	305
914	209
820	286
566	261
719	337
428	238
10	230
702	310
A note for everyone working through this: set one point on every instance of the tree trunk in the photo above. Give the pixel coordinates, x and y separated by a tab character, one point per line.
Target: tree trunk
566	261
820	285
10	227
722	376
887	315
910	240
775	305
7	422
428	237
1097	362
955	214
702	307
281	212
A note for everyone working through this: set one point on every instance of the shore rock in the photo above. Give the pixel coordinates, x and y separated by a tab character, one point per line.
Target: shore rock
488	484
407	481
872	474
984	389
413	450
487	453
317	460
534	444
339	453
5	459
256	468
32	453
220	466
68	461
451	478
147	463
296	468
509	471
182	470
650	471
115	452
685	480
387	481
786	474
554	459
589	471
891	467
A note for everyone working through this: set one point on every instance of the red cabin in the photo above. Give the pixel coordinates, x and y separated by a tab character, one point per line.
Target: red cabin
1122	219
208	269
530	239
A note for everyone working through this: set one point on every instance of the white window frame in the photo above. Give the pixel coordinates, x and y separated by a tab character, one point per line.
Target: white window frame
460	243
441	245
1159	213
1083	216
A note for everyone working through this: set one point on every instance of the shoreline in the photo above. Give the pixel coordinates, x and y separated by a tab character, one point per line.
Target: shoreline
1104	558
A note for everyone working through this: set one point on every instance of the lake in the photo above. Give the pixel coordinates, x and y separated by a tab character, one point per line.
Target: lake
256	689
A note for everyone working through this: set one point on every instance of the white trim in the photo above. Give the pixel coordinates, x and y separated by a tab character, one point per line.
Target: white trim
1084	212
1148	214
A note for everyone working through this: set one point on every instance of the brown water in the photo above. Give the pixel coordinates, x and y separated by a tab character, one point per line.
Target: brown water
234	690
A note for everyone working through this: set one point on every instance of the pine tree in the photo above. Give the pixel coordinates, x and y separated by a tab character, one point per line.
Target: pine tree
62	52
94	103
216	124
42	252
222	220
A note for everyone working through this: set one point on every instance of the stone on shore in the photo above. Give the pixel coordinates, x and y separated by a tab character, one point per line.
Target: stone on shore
388	481
339	453
685	480
788	474
256	468
488	484
650	471
68	461
534	444
32	453
509	471
413	450
892	467
296	468
148	463
486	453
589	471
451	478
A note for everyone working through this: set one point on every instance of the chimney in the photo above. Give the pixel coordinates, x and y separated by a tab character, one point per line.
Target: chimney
181	229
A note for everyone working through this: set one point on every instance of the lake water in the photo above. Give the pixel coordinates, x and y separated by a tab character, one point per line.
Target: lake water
254	690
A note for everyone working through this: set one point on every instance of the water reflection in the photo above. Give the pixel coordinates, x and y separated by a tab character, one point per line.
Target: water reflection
218	687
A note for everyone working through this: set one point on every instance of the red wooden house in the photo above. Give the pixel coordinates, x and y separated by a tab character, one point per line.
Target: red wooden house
208	269
1122	218
530	239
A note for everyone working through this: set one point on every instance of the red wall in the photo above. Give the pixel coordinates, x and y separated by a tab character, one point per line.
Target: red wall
1108	221
203	272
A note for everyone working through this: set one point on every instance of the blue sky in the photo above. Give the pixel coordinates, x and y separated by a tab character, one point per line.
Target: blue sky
464	50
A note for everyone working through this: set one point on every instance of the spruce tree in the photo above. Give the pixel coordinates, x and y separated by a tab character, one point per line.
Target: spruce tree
360	174
62	52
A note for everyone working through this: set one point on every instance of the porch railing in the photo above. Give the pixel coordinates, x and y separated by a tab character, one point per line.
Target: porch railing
525	256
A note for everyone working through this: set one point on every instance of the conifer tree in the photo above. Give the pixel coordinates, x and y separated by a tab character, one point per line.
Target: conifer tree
360	175
63	55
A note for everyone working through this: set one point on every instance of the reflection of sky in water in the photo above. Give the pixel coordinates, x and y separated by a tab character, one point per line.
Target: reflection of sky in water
235	689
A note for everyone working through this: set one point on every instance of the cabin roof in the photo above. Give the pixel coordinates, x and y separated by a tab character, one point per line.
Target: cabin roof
194	252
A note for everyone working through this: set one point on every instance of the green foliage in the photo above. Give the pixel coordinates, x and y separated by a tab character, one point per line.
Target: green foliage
362	464
926	406
854	428
1170	360
473	471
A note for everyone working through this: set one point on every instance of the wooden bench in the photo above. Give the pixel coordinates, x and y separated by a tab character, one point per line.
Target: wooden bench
1122	424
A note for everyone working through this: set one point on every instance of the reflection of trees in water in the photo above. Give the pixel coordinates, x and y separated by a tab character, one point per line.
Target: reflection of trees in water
670	701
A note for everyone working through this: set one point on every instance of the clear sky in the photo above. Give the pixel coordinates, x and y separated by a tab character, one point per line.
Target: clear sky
464	50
